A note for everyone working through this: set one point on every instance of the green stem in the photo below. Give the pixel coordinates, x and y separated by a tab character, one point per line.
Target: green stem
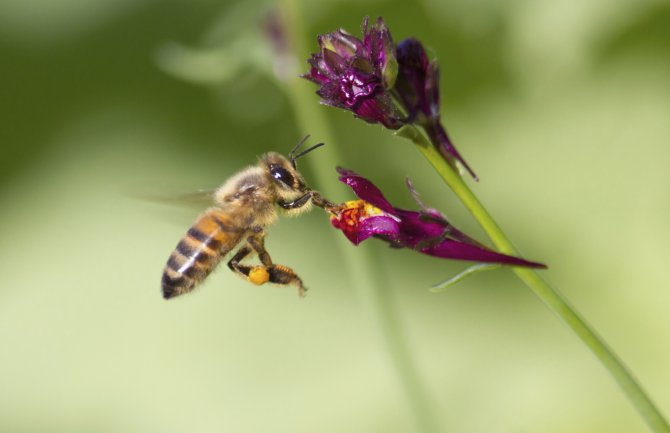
362	268
550	296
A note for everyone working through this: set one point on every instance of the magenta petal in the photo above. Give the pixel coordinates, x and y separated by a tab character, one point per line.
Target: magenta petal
315	76
369	111
333	61
353	236
381	225
330	93
365	189
378	110
356	86
378	43
450	249
348	43
345	45
414	229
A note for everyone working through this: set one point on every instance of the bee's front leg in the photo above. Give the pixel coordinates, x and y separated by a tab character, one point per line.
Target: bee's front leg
277	274
297	203
316	198
323	203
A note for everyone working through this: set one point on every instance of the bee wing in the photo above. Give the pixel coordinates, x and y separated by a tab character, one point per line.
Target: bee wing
200	199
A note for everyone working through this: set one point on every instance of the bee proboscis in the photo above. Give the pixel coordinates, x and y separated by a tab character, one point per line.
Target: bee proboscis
243	207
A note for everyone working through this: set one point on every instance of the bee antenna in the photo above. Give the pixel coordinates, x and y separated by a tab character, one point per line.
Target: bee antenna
306	151
293	157
296	147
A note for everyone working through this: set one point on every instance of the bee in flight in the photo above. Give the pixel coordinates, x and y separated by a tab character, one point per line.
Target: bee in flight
243	206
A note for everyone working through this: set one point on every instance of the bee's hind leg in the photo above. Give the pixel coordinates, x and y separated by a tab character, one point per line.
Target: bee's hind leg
267	272
277	274
245	271
280	274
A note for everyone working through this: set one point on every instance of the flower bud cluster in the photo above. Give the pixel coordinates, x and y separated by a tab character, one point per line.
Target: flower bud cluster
381	82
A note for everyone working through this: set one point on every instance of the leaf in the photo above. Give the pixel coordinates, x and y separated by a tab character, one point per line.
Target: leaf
474	269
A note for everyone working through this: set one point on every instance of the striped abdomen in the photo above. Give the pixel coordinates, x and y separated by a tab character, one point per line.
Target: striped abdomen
212	236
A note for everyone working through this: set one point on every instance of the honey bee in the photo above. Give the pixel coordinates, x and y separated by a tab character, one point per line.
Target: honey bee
244	206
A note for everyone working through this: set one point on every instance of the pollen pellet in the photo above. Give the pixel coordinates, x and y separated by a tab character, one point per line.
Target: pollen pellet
259	275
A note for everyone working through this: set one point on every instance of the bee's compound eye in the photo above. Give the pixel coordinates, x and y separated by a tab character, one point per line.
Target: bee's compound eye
281	174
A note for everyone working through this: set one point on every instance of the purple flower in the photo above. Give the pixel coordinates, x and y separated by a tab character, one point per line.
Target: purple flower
354	74
426	231
382	83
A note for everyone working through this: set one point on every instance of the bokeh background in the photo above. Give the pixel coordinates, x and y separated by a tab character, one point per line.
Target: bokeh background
562	108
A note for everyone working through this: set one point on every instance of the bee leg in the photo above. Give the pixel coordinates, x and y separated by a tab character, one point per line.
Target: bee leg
257	242
323	203
316	197
277	274
280	274
248	272
299	202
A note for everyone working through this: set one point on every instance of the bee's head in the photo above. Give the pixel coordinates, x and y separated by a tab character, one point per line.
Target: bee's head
285	177
284	173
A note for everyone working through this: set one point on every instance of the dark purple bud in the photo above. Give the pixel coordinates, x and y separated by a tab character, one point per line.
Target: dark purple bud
410	84
433	90
417	87
377	111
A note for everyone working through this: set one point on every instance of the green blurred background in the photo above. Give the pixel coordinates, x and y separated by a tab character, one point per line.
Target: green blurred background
562	108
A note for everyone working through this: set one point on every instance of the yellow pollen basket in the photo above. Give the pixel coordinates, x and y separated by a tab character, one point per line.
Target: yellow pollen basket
259	275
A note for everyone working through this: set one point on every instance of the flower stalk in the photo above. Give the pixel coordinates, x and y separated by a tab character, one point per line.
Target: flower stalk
547	294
